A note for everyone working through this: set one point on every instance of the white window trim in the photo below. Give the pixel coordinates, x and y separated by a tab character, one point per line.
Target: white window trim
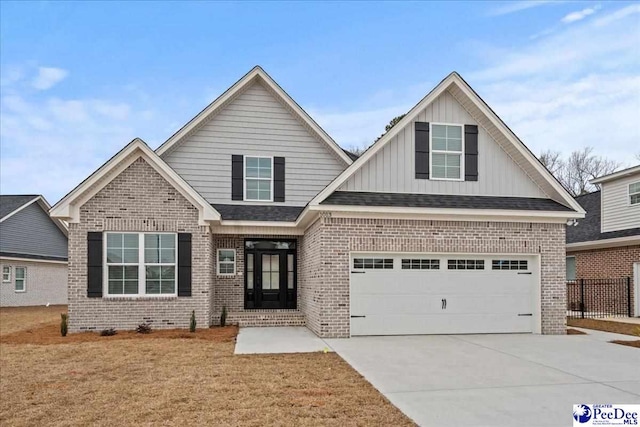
218	262
142	272
8	280
629	194
244	179
24	281
431	151
575	267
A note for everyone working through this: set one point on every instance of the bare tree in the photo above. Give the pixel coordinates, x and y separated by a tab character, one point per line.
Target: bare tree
358	151
638	156
581	167
552	160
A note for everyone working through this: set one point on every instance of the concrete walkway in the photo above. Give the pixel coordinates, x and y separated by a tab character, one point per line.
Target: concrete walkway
281	339
495	380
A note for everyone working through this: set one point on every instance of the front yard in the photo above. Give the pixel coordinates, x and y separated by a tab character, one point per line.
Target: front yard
171	378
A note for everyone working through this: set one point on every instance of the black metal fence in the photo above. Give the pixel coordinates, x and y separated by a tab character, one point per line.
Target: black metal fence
591	298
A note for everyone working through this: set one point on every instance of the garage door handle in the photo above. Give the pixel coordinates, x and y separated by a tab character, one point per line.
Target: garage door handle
525	314
354	317
524	272
359	272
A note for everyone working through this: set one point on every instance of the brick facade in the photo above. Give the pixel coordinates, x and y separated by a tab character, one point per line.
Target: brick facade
607	263
138	199
327	304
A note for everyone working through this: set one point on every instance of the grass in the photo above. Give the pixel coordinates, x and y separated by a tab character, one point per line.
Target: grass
167	378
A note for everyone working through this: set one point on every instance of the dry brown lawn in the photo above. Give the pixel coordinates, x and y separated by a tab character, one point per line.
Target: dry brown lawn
606	325
165	378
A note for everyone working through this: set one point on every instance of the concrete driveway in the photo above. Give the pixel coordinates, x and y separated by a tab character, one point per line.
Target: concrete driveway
495	380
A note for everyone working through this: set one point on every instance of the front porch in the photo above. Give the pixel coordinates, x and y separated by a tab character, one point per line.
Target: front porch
256	279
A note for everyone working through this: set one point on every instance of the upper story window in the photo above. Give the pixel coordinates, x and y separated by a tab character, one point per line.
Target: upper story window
258	179
447	153
634	193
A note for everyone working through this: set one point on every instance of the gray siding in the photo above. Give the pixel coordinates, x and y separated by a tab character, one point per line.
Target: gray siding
255	123
32	231
617	213
392	168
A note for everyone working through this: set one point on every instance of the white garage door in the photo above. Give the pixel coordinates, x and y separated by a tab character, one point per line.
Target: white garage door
400	294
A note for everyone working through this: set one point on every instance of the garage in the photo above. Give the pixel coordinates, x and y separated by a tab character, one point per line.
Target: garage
409	294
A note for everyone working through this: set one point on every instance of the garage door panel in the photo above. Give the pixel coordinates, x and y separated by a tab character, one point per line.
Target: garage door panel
440	324
403	301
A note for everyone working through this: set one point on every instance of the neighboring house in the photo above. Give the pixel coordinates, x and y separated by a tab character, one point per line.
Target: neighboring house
606	243
33	253
447	224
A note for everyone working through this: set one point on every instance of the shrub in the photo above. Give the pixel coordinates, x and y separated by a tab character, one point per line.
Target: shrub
108	332
63	324
143	328
223	316
192	323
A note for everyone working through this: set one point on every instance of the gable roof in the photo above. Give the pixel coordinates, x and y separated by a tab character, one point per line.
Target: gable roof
69	206
12	204
617	175
588	229
257	74
486	118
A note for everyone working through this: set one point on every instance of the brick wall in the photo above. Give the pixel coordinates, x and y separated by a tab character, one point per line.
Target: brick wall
607	263
310	276
138	199
337	237
46	283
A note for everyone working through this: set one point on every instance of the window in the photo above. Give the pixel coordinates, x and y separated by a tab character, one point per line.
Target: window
21	279
249	271
571	268
290	271
465	264
141	263
258	178
420	264
373	263
270	272
226	262
506	264
446	152
634	193
6	274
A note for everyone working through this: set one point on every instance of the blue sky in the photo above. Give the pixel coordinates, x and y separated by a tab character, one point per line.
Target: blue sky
80	80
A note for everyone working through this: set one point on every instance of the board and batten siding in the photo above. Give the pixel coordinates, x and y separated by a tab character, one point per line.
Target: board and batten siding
254	124
617	213
392	168
32	231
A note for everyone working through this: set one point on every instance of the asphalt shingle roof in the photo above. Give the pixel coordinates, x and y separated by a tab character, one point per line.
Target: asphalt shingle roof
588	228
258	213
9	203
352	198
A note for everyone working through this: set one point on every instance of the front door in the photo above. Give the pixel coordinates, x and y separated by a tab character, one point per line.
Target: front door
270	274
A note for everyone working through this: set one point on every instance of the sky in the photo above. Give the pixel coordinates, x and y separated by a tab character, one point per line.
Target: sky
79	80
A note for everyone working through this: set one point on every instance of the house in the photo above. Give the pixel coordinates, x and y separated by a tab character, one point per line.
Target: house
33	253
606	243
447	224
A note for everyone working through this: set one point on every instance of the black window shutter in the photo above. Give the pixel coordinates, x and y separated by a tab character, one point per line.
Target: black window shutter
470	152
237	177
94	264
422	150
184	264
278	179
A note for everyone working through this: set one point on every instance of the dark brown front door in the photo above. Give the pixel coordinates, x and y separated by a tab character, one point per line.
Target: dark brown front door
270	274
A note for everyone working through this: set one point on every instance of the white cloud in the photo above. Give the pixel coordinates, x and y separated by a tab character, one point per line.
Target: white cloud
507	8
619	14
579	15
48	77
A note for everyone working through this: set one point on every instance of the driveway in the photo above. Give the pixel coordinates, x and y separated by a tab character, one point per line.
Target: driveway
495	380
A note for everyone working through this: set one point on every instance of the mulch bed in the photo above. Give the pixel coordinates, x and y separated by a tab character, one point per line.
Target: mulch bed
50	334
575	332
628	343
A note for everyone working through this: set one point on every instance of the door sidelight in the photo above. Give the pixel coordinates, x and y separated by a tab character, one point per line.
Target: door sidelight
444	303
